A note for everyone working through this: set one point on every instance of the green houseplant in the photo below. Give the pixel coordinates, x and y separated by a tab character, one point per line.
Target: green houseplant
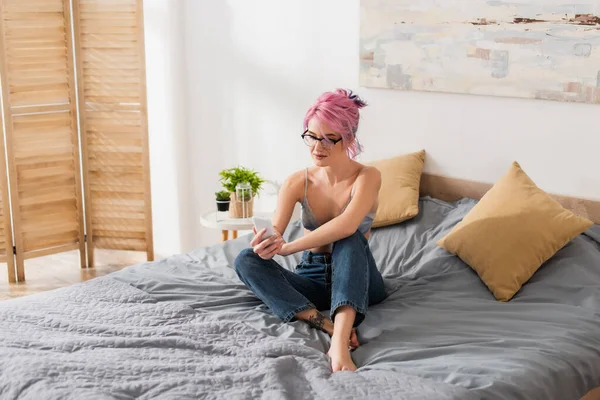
223	199
230	178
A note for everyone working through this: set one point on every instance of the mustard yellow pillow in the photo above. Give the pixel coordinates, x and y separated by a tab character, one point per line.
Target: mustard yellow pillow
511	232
399	193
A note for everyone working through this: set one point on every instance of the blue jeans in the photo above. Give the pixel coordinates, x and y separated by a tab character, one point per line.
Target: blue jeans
347	276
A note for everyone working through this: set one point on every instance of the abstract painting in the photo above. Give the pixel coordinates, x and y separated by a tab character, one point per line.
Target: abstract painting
538	49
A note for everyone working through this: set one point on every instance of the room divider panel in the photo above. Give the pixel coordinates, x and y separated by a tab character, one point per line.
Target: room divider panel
75	124
113	120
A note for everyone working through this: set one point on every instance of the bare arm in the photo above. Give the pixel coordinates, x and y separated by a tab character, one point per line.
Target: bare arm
289	195
286	200
344	225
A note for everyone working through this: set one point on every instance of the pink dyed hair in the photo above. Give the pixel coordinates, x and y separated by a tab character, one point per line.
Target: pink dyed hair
339	110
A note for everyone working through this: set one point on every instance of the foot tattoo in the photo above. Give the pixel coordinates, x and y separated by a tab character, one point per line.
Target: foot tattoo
317	321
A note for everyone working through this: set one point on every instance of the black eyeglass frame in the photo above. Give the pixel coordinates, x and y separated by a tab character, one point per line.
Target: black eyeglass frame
334	141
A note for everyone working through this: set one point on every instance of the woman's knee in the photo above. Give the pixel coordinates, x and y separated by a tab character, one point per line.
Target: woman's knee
356	240
244	260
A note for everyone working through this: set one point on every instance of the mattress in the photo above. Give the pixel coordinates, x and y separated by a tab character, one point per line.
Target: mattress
186	327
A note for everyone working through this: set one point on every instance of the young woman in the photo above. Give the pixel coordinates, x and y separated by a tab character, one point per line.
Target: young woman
339	199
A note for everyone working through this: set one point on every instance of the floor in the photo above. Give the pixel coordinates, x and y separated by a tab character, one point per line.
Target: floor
59	270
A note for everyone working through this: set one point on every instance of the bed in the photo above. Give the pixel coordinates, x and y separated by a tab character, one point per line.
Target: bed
186	327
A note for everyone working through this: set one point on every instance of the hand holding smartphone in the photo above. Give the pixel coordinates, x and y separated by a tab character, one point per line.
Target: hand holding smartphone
263	223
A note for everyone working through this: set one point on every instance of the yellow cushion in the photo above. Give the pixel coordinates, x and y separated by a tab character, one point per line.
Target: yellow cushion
399	193
511	232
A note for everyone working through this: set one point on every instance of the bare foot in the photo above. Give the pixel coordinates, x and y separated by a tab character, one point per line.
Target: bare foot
339	353
353	339
318	321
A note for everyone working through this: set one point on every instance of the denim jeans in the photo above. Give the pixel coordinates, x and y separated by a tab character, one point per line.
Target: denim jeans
347	276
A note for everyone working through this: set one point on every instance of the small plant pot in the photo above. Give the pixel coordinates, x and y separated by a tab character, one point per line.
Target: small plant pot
241	209
223	205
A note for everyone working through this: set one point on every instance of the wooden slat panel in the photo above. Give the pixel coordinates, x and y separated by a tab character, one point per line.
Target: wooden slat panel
33	6
41	127
118	187
120	243
56	207
119	233
101	207
6	239
113	120
49	238
51	250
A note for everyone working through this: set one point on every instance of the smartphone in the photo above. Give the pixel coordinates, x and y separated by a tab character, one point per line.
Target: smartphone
261	223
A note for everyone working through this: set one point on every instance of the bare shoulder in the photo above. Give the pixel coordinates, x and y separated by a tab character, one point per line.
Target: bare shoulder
370	174
294	184
296	178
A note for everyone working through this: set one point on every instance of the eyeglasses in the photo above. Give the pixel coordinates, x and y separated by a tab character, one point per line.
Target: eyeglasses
311	140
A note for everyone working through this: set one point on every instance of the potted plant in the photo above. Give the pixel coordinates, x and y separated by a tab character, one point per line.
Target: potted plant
223	198
230	179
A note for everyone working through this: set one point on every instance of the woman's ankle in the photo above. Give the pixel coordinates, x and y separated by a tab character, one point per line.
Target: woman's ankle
316	320
338	340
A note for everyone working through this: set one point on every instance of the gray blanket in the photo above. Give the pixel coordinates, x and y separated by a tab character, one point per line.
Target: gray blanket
186	327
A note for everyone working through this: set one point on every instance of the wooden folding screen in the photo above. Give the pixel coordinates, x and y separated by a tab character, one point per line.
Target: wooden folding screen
6	237
39	96
113	120
38	92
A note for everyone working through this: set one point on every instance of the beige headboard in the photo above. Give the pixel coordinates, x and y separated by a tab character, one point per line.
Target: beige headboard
452	189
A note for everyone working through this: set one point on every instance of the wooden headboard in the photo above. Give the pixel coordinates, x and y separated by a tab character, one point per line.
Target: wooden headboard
452	189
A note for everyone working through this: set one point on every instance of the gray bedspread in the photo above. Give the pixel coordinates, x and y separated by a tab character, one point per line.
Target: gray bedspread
186	327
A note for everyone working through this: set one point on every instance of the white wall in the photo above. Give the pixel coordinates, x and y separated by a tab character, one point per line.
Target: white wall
252	68
168	134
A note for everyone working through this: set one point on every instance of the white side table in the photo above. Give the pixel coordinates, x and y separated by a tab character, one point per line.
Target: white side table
222	221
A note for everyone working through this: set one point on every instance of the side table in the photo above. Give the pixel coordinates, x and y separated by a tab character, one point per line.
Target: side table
222	221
